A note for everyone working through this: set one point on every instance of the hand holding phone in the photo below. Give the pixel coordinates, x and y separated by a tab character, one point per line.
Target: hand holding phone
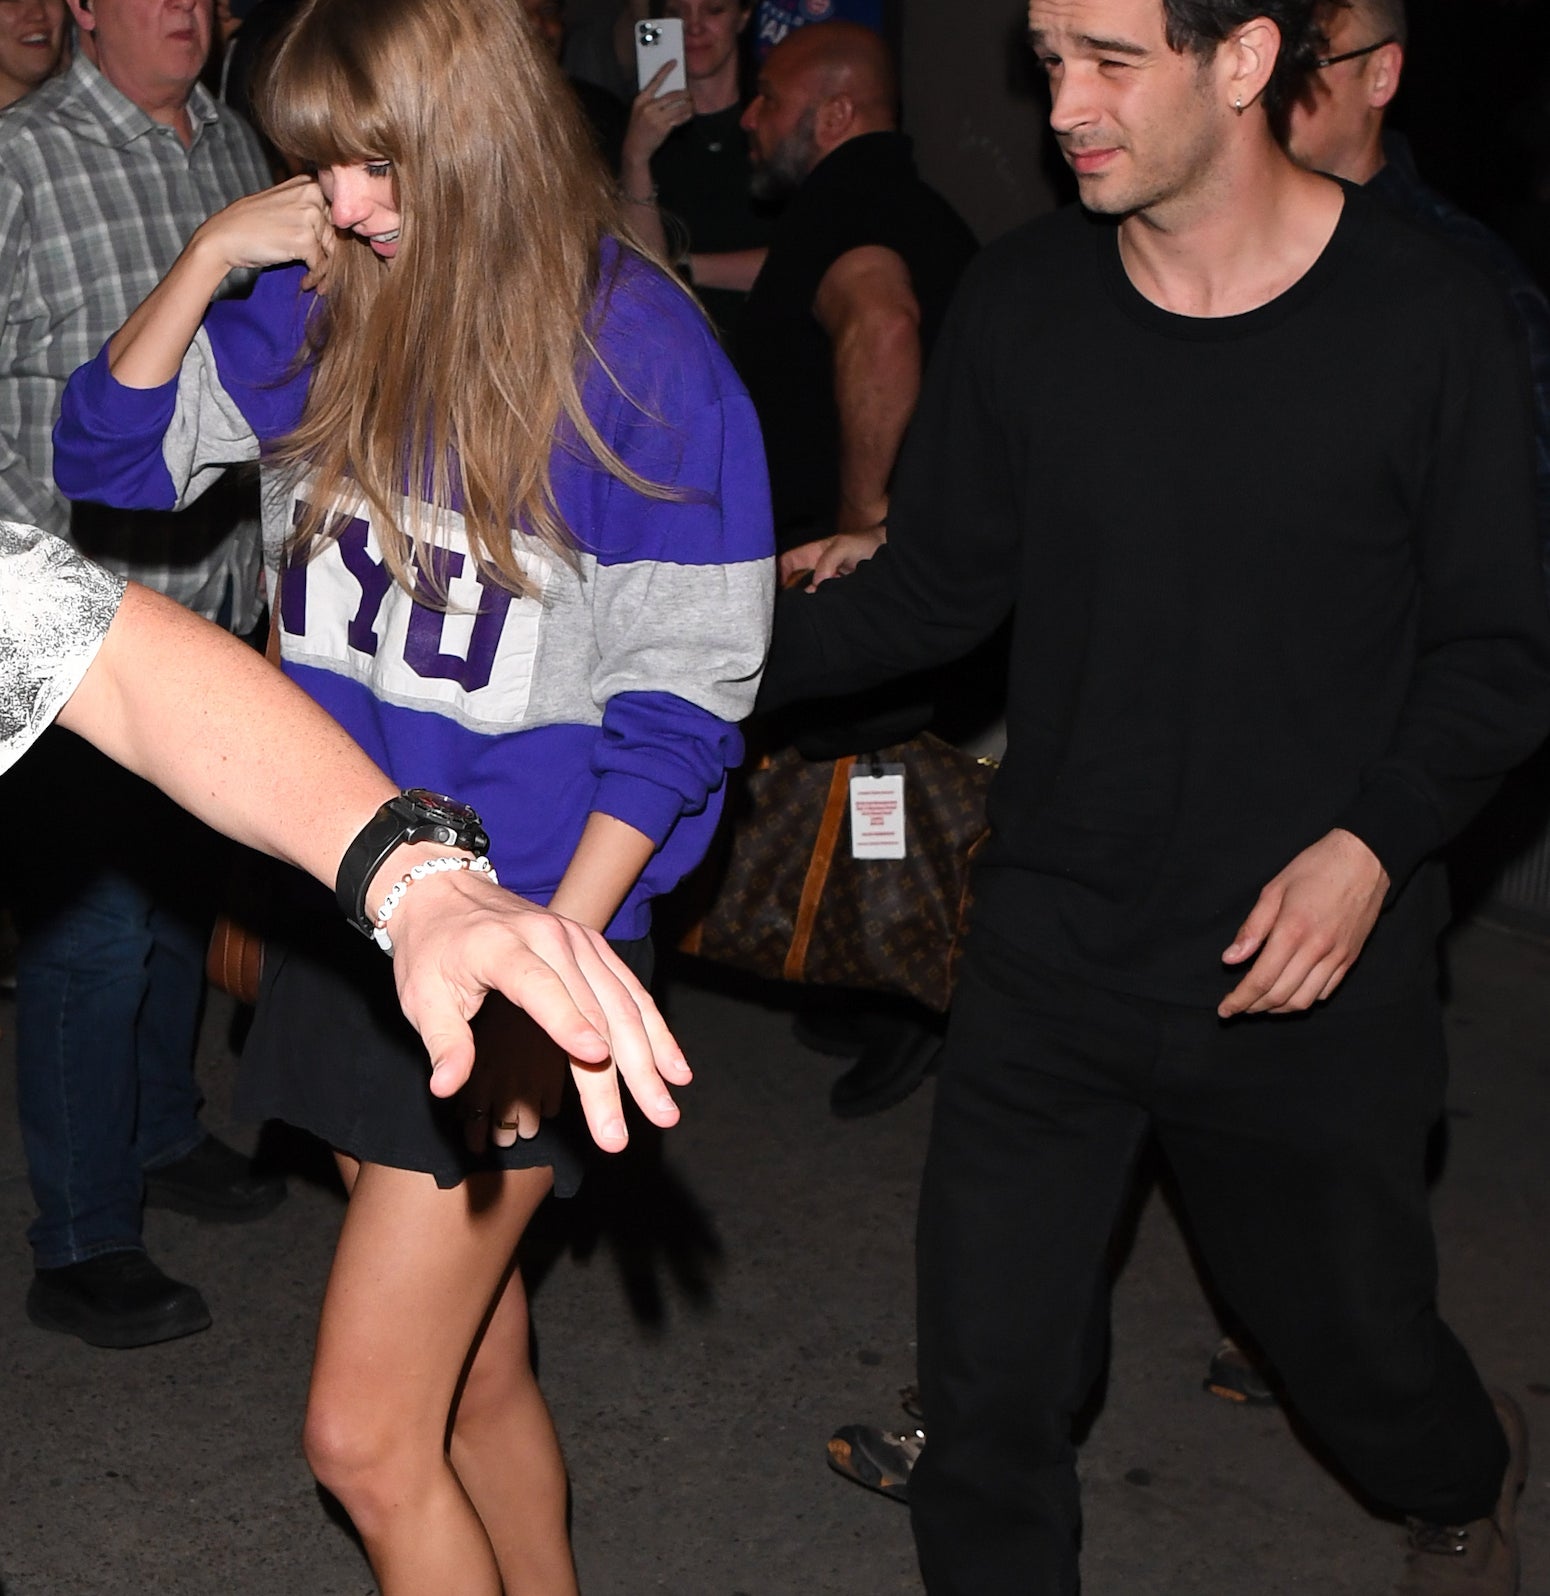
659	42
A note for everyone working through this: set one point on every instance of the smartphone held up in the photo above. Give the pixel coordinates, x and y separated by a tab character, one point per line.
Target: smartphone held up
658	41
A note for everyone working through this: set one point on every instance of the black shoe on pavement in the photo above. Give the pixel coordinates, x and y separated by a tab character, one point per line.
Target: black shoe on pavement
881	1460
120	1299
214	1182
1480	1558
1236	1377
887	1072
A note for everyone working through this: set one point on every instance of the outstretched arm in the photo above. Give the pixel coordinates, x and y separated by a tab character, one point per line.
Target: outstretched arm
211	723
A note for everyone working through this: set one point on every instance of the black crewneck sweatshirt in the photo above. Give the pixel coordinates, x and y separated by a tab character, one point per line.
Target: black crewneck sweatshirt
1272	573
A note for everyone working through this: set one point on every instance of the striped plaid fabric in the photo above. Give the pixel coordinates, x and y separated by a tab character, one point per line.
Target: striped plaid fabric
96	201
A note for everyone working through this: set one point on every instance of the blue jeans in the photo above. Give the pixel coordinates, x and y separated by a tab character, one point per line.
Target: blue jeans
110	979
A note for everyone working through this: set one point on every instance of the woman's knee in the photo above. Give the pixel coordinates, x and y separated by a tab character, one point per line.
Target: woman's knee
362	1451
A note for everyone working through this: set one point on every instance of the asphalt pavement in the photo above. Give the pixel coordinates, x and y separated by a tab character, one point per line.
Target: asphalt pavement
711	1308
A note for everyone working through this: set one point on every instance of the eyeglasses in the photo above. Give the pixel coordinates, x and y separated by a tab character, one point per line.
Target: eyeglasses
1352	55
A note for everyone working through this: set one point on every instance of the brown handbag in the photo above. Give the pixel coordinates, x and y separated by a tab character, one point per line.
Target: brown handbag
781	896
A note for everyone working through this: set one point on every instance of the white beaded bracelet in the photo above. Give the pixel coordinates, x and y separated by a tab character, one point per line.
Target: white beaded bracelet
426	867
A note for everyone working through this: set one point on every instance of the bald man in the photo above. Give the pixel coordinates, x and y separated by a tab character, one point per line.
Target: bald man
831	344
843	314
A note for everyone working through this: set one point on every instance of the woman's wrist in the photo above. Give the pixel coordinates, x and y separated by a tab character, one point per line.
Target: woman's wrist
206	258
636	181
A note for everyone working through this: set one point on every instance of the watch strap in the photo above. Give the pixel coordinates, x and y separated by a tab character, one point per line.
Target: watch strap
408	818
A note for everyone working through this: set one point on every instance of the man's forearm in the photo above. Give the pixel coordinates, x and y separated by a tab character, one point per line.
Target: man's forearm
876	386
223	733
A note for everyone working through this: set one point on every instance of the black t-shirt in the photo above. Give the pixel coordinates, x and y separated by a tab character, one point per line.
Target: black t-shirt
701	172
866	192
1273	573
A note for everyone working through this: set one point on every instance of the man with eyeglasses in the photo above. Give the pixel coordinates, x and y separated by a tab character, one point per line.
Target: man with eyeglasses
1336	125
1249	460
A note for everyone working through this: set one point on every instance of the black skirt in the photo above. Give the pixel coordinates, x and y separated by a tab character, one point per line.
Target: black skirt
331	1052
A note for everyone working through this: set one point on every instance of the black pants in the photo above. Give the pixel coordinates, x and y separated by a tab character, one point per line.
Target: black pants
1298	1143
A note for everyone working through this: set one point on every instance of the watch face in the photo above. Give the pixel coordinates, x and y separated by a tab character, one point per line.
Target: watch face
441	807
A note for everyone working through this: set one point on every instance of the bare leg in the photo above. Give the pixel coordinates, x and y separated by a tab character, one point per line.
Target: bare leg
414	1277
518	1487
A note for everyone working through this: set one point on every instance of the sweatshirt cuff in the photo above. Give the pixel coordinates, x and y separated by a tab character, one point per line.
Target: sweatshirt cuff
102	421
650	808
1399	826
126	409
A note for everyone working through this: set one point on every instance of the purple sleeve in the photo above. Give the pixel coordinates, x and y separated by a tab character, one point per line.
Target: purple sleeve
685	581
240	385
659	758
107	441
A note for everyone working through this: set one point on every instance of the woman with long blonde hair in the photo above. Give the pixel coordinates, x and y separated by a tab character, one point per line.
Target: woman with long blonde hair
518	527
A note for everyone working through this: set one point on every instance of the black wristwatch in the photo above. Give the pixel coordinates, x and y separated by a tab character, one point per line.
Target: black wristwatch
415	815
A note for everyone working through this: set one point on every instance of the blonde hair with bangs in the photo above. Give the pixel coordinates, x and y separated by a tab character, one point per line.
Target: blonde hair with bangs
453	371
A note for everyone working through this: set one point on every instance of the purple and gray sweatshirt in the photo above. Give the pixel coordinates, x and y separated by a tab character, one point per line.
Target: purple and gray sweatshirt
617	689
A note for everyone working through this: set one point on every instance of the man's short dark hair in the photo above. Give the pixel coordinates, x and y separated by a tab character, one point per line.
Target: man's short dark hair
1386	16
1199	26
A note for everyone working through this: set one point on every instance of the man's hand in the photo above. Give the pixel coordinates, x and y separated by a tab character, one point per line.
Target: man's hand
456	937
834	556
1308	926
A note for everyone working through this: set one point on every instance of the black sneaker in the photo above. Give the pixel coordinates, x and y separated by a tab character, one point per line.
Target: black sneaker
881	1460
1236	1377
214	1182
120	1299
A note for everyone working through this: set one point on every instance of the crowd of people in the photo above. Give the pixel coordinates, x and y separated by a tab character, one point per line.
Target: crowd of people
498	408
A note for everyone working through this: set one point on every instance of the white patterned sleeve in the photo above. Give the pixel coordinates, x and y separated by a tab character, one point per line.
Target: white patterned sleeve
55	610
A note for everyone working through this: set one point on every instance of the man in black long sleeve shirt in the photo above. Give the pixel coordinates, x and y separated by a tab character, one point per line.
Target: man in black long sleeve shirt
1252	459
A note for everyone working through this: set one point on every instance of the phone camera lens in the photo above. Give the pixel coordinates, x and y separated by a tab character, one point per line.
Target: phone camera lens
649	34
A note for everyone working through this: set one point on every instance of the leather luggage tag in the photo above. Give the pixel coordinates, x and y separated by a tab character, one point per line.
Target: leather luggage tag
877	811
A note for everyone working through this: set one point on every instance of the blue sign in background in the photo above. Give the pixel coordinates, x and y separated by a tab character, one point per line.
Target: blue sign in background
774	19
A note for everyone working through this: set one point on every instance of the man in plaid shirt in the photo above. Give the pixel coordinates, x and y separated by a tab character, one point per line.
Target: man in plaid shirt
105	172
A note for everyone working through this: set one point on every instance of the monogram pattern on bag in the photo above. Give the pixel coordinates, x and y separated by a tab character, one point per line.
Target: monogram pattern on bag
892	925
